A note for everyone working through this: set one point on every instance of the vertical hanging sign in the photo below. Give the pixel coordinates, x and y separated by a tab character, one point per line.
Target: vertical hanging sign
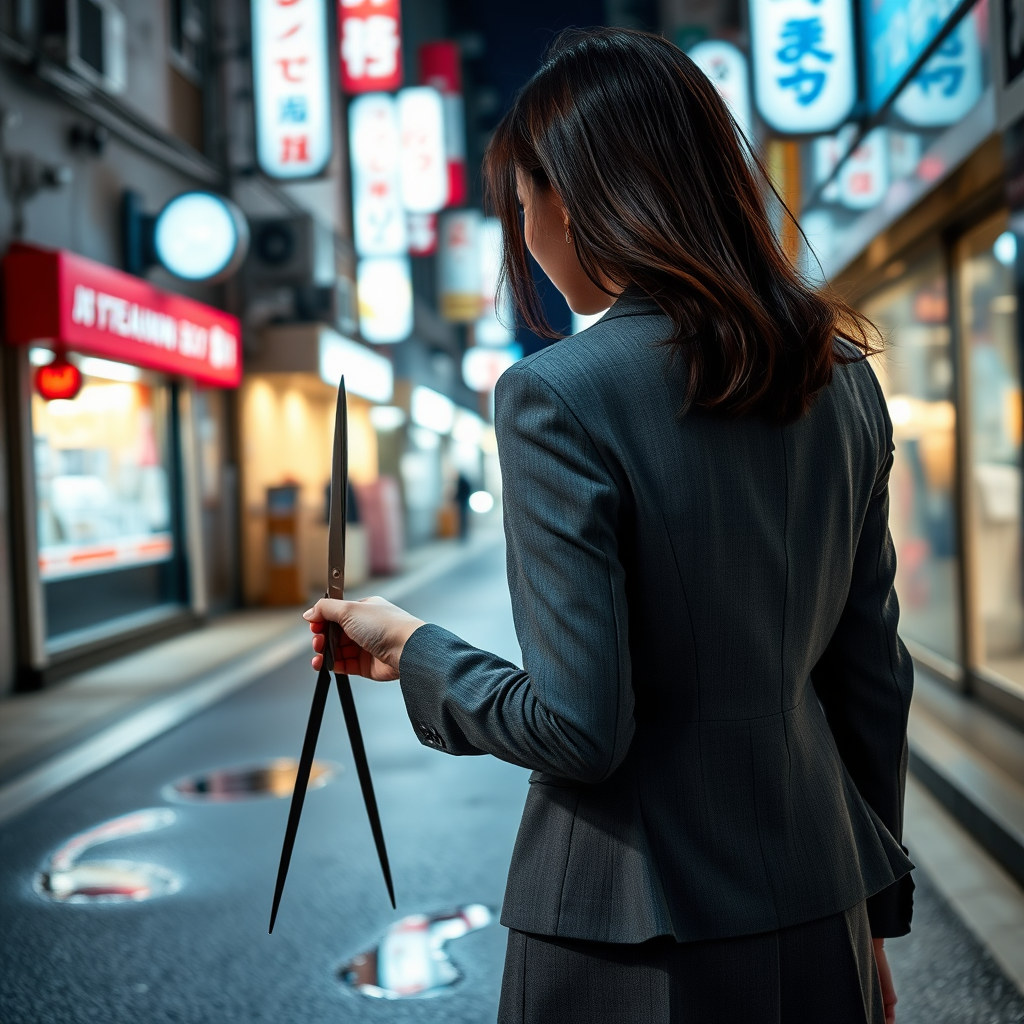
371	45
805	64
375	147
424	170
441	67
291	87
726	66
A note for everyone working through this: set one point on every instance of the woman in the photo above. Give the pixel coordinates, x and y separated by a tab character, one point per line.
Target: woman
714	698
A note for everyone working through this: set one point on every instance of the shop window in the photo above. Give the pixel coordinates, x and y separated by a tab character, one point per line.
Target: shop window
105	495
987	267
916	374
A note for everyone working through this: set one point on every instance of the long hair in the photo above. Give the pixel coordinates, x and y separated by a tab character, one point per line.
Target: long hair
662	194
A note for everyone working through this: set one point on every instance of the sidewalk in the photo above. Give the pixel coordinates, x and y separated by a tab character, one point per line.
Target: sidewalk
50	738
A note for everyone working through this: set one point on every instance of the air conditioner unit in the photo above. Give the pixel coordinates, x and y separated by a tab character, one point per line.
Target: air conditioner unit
295	251
89	37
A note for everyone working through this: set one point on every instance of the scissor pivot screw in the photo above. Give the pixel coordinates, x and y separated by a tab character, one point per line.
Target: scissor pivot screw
335	573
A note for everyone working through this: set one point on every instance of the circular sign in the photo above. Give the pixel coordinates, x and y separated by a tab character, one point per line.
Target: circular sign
200	236
59	379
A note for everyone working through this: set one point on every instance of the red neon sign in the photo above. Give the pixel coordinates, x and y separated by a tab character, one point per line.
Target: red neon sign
58	296
441	67
371	45
59	379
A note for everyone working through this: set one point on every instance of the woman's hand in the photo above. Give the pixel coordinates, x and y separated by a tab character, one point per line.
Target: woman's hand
374	633
885	981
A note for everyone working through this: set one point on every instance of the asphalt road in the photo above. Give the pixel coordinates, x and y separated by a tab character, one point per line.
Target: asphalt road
203	954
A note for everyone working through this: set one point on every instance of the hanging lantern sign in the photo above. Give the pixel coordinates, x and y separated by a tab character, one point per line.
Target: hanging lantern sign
805	64
384	285
375	146
461	278
950	83
441	67
291	87
371	45
726	66
59	379
424	169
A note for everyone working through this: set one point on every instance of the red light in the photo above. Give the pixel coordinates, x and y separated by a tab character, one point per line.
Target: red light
60	379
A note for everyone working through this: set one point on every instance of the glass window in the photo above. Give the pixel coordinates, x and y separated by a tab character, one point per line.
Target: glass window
916	374
105	498
993	481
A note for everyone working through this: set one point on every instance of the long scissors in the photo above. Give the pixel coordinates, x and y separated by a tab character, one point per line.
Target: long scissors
332	652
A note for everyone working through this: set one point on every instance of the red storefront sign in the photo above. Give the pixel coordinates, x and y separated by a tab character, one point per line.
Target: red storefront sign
371	45
441	67
60	297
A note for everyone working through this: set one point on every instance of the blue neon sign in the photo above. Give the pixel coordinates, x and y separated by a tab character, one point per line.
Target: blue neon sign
896	33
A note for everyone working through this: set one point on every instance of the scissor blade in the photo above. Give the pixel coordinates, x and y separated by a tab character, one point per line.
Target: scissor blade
339	500
355	738
316	715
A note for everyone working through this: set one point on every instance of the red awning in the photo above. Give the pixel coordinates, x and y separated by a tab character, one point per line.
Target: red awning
62	298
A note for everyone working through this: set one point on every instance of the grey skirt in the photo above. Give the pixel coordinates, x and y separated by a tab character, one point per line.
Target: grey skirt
820	972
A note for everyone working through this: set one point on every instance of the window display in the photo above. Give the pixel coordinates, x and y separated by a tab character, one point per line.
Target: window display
916	375
988	259
105	496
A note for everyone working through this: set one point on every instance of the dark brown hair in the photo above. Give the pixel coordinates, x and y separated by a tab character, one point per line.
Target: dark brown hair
661	194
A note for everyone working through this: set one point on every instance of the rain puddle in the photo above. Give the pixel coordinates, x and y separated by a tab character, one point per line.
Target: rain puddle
274	778
410	960
67	879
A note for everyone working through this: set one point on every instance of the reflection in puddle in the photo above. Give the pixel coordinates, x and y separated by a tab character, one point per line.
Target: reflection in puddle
69	880
410	960
274	778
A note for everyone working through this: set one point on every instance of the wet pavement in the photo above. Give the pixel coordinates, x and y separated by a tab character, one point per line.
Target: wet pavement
198	951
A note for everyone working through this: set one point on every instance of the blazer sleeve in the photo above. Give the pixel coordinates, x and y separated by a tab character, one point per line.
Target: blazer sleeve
864	682
569	711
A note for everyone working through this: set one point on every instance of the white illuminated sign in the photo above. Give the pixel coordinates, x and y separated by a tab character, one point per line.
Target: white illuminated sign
424	165
481	367
431	409
291	87
384	286
375	144
461	265
805	65
366	373
950	83
494	328
726	66
864	177
199	236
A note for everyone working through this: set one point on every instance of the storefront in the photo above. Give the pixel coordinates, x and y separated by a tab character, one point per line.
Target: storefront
914	225
288	403
115	435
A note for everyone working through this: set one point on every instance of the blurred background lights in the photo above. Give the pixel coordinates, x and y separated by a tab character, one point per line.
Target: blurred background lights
109	370
481	501
387	417
1005	248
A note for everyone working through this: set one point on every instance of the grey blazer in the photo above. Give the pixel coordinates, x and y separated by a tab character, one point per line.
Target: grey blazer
714	698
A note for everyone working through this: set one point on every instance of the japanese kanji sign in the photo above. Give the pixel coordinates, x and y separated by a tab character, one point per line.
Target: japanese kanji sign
424	175
949	84
371	45
805	69
376	154
441	67
292	87
896	33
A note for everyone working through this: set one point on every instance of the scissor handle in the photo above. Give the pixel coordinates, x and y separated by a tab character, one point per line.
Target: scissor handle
332	646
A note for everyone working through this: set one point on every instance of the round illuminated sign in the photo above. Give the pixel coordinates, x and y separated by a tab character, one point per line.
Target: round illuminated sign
59	379
200	236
